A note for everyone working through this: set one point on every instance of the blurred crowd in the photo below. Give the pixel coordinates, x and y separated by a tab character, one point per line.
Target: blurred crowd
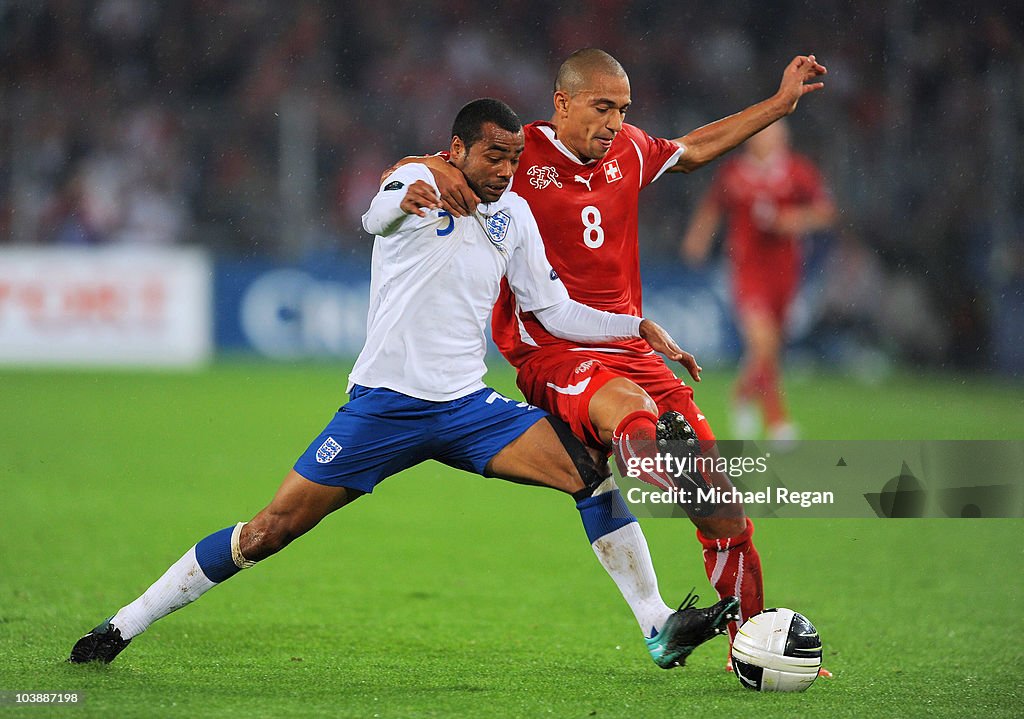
262	127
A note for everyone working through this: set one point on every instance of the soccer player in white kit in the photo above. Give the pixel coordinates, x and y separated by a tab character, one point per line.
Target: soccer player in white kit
416	391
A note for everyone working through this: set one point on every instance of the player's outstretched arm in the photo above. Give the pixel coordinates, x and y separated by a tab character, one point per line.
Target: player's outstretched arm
697	241
577	322
457	198
704	144
661	341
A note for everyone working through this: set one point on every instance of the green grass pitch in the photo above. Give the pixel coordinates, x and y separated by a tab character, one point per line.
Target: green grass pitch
447	595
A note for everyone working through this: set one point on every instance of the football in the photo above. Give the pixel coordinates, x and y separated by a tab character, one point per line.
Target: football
777	650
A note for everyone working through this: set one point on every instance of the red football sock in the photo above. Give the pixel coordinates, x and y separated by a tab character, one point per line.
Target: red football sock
734	568
634	440
770	390
746	389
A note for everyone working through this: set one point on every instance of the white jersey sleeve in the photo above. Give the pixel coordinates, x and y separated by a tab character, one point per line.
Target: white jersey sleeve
385	215
576	322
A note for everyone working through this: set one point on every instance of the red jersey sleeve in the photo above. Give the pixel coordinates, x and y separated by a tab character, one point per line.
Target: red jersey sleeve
656	154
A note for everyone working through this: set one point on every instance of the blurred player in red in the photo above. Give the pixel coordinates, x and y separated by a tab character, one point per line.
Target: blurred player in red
770	197
581	174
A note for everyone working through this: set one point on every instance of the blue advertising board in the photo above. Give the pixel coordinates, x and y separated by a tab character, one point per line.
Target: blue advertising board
317	309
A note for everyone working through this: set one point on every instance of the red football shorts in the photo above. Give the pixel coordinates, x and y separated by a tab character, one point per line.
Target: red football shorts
563	382
757	291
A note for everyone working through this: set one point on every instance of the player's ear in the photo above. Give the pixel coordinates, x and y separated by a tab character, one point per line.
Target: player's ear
458	148
561	101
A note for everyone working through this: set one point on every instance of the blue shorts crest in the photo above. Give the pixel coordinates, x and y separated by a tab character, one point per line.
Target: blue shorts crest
381	432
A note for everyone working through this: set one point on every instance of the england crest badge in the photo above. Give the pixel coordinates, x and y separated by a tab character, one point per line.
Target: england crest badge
328	451
497	227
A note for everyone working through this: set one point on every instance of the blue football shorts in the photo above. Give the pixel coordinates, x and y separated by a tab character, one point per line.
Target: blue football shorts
380	432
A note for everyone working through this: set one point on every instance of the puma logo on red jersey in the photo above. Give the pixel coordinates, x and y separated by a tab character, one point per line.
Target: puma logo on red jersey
585	181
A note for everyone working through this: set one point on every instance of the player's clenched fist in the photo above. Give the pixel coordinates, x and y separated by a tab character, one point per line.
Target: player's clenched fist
420	195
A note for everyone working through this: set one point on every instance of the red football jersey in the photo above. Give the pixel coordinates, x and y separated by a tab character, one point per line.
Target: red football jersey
588	216
752	193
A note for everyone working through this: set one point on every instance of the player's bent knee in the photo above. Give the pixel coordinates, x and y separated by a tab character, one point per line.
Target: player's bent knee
590	473
615	401
630	396
721	527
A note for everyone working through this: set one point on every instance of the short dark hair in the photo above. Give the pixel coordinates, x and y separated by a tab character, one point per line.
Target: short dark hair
469	123
580	67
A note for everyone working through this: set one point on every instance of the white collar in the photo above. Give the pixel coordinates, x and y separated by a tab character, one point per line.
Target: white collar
549	132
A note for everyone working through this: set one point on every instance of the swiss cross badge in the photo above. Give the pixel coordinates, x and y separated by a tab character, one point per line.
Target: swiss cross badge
611	171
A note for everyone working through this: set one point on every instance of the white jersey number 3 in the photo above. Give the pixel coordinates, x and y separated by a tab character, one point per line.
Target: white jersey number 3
593	233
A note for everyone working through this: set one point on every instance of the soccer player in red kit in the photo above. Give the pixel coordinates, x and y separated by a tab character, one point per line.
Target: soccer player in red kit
769	196
581	174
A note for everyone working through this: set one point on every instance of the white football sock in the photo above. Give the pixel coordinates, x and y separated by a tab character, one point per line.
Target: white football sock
182	584
625	556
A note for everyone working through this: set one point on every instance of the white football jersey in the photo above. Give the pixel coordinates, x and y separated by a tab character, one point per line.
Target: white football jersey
433	283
